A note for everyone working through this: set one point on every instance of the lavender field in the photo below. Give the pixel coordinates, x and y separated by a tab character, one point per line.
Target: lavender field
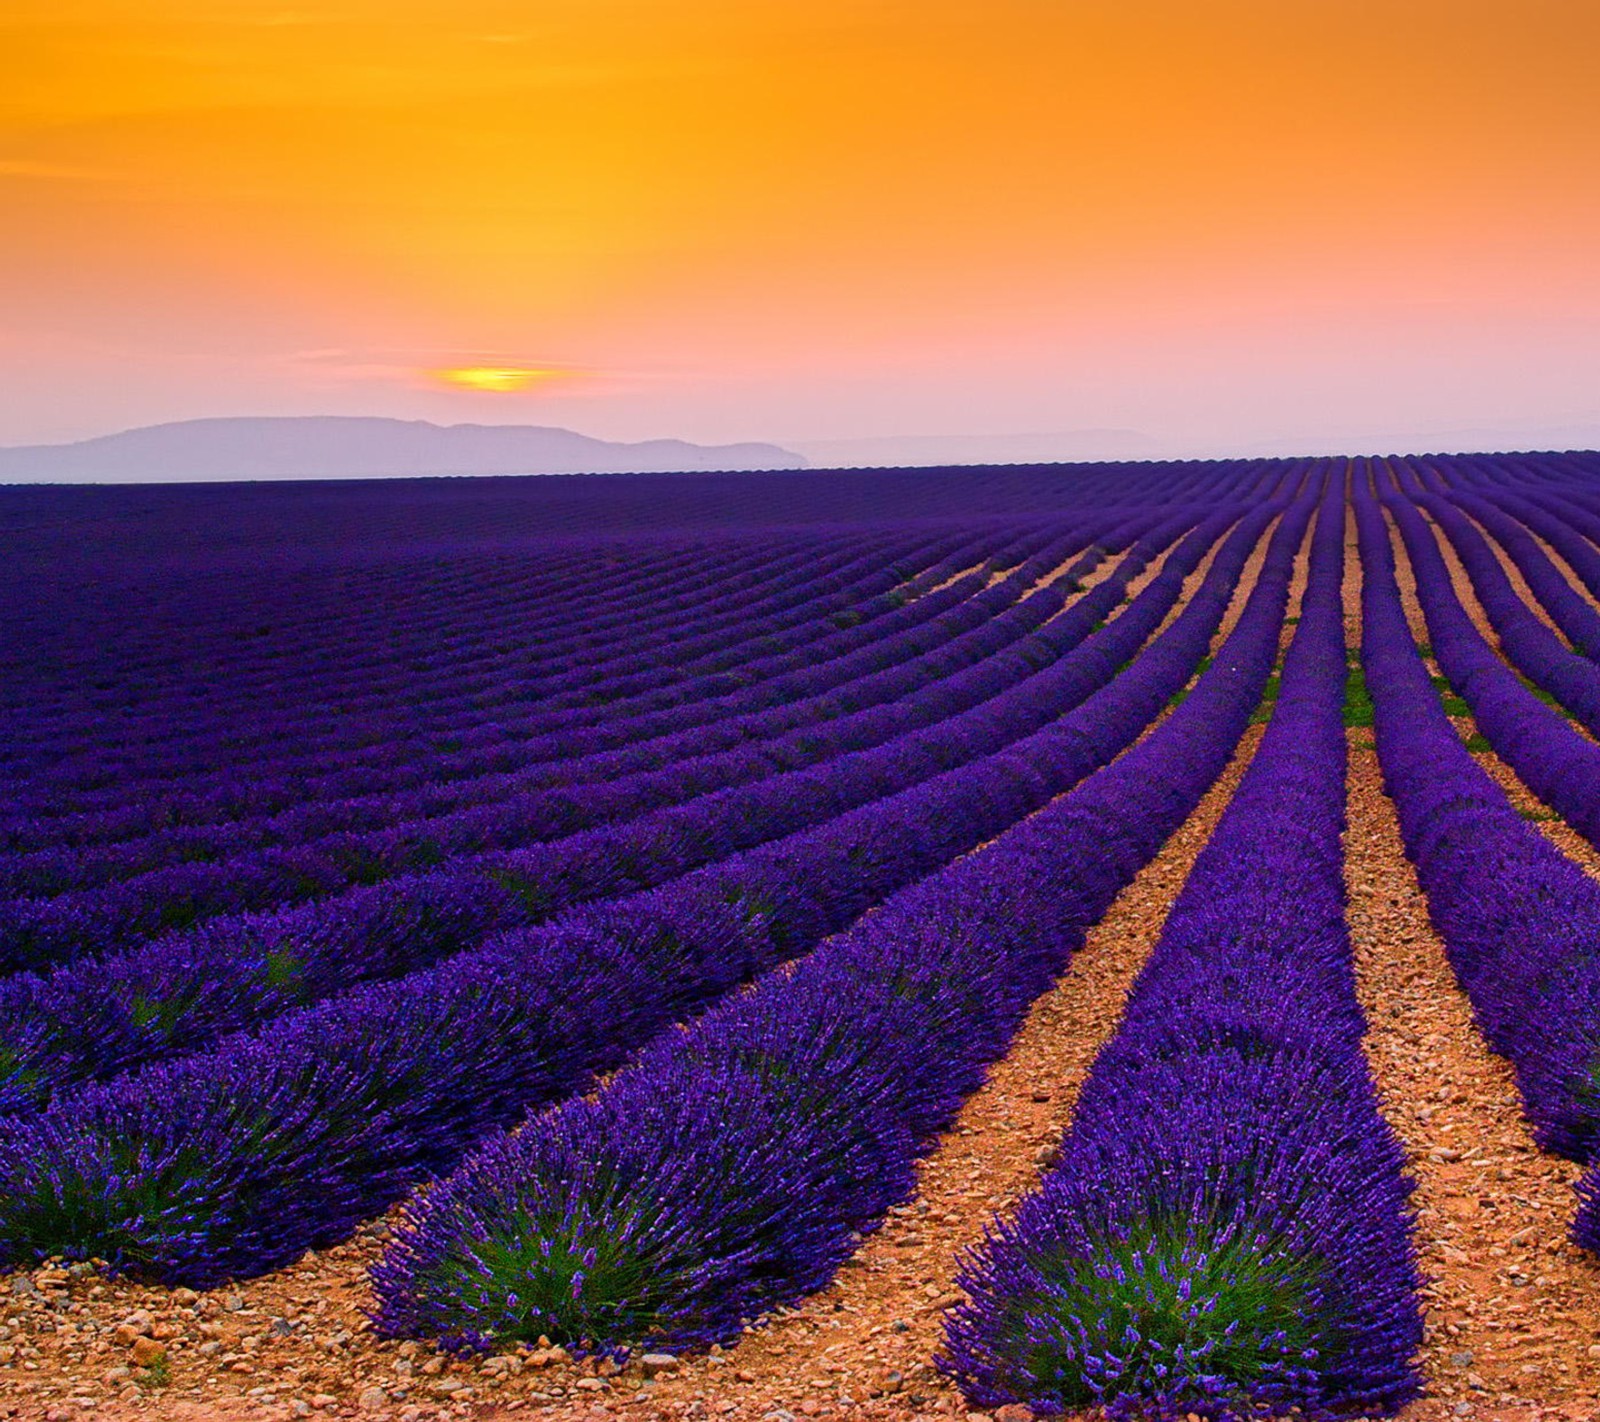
1000	941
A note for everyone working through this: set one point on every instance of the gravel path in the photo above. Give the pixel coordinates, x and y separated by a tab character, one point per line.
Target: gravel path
1529	805
296	1343
1464	590
1565	568
1513	1310
1513	575
876	1329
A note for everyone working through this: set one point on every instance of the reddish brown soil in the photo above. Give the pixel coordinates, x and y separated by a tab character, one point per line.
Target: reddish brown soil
861	1347
1511	1308
296	1343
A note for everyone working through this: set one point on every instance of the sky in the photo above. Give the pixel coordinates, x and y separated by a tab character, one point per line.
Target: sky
1218	224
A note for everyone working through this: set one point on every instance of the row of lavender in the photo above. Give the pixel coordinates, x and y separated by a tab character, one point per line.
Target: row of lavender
1520	920
494	743
1225	1233
236	1159
382	629
290	777
180	992
875	661
536	802
814	550
621	1219
732	1167
269	608
770	591
972	712
106	581
1555	761
354	627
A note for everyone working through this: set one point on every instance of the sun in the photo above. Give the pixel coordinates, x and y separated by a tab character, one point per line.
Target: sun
498	379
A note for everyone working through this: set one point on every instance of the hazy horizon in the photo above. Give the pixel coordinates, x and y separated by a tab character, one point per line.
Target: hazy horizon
224	449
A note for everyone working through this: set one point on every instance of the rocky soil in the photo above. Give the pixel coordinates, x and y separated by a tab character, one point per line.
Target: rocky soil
1513	1312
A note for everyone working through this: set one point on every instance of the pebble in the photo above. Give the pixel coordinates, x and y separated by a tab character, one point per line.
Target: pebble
147	1352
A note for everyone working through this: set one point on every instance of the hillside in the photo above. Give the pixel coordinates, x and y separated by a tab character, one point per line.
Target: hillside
351	447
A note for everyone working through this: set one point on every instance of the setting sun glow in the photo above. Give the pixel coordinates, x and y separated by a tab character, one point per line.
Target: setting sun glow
498	379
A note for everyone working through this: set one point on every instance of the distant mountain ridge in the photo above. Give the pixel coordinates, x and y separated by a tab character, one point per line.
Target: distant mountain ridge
360	447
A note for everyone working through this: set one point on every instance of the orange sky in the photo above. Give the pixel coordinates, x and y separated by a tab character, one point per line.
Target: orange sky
1209	220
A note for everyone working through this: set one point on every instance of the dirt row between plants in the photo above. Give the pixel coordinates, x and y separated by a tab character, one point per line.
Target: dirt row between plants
1513	575
1522	799
865	1346
1461	581
1512	1309
296	1343
1566	570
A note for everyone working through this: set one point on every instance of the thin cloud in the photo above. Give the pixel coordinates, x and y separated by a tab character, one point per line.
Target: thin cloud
56	172
469	370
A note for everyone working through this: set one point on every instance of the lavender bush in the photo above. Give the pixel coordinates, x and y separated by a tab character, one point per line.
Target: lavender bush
1226	1232
619	1223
